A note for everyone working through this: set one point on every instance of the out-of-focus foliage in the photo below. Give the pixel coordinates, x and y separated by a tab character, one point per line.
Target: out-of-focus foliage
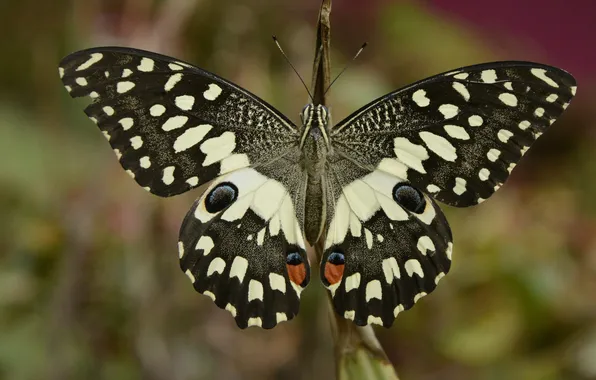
89	279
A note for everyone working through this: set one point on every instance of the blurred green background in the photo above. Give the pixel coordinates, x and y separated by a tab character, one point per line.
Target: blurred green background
90	286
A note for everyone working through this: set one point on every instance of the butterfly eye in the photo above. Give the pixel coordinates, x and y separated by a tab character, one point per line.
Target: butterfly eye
294	258
221	197
409	197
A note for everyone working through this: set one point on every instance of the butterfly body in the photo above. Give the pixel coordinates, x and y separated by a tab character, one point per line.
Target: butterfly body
366	188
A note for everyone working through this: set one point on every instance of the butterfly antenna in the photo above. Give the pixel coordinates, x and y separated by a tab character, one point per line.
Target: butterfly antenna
347	65
292	66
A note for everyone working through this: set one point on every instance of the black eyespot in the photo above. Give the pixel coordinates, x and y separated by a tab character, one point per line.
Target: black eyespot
409	197
221	197
336	258
294	258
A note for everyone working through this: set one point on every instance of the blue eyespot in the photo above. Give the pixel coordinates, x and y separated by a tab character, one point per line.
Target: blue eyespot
409	197
221	197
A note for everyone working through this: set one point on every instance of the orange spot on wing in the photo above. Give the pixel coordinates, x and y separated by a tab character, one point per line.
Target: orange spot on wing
334	273
297	273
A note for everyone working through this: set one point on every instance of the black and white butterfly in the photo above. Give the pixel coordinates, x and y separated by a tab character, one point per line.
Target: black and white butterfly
366	186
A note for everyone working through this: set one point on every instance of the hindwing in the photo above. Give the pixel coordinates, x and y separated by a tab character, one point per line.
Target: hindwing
242	245
388	244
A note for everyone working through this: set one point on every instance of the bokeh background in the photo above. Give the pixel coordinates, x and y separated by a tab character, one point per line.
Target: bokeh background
90	286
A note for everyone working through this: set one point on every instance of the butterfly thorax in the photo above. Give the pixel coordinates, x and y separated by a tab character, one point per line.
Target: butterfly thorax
315	147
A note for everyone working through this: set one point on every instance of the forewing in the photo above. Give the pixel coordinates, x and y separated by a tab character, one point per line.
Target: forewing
173	126
459	134
393	256
242	244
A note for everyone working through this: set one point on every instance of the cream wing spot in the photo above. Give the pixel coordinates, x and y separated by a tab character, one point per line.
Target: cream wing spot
374	290
439	277
126	73
488	76
350	314
233	162
413	266
369	238
418	296
493	154
539	112
508	99
410	154
239	267
439	145
193	181
508	85
432	188
189	274
255	321
461	76
255	290
231	309
174	67
108	110
281	317
504	135
209	294
484	174
419	97
124	86
180	249
172	80
191	137
449	111
552	98
93	59
391	269
145	162
541	74
462	90
277	282
157	110
524	124
81	81
398	309
460	186
352	282
185	102
217	265
126	123
217	148
475	120
146	65
174	122
168	175
136	142
456	132
425	244
212	92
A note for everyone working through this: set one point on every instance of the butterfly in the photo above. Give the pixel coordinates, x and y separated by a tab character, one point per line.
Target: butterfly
368	186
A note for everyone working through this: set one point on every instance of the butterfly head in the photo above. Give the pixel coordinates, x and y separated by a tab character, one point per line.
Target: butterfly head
314	115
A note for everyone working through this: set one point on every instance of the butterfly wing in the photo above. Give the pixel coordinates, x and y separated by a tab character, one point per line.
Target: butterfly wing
459	134
454	137
242	245
174	126
387	244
